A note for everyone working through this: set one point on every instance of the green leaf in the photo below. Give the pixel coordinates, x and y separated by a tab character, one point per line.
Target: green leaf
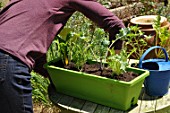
64	32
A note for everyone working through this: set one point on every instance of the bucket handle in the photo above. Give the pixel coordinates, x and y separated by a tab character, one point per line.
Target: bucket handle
150	49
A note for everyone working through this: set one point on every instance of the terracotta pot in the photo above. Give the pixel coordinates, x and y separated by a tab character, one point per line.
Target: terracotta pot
146	25
146	22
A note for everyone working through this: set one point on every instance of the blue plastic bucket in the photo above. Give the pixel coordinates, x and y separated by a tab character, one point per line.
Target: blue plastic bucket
157	83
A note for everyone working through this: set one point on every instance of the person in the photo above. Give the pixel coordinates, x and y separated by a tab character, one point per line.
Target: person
27	28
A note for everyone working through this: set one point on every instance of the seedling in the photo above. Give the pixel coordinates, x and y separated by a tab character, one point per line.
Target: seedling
117	62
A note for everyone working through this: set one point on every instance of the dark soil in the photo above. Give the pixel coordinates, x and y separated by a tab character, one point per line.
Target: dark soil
96	70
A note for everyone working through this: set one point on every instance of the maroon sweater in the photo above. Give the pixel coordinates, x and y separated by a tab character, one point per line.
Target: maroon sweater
27	27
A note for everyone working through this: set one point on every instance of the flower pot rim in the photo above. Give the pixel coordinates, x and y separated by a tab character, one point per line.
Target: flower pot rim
137	20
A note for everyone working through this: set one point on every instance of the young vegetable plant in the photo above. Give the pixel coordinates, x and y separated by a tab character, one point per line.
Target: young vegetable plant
117	62
101	42
71	47
85	48
93	47
79	50
59	47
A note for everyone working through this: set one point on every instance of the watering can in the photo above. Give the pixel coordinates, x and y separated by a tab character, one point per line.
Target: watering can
157	83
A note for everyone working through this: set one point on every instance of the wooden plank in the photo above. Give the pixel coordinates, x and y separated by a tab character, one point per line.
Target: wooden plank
116	111
102	109
53	95
76	105
148	104
65	101
55	98
89	107
145	104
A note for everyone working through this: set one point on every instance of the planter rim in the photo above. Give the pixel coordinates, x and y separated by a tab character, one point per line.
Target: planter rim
132	82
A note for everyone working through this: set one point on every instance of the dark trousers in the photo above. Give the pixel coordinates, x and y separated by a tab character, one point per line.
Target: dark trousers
15	86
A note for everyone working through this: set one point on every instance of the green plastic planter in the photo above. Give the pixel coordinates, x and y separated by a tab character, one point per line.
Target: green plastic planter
109	92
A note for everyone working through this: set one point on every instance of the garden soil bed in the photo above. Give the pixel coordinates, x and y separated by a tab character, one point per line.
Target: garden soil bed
96	70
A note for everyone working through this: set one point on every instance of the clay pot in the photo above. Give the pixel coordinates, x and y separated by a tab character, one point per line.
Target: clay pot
145	23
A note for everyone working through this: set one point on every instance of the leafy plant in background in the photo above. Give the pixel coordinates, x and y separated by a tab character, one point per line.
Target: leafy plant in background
151	8
162	36
134	44
39	92
162	10
81	24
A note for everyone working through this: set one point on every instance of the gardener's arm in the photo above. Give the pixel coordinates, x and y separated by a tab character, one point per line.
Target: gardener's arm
100	15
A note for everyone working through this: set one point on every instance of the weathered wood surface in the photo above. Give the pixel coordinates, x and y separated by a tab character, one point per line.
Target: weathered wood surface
146	104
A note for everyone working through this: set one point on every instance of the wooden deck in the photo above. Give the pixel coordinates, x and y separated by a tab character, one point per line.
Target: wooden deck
146	104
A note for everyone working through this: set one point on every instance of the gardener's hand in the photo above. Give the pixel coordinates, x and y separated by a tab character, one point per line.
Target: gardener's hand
38	68
117	51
